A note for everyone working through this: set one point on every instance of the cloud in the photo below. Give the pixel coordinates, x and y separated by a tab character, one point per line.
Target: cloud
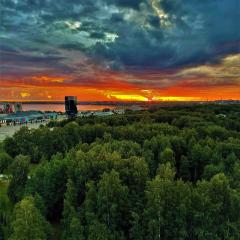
125	3
147	43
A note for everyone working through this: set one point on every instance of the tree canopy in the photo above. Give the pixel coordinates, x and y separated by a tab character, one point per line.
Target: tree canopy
159	174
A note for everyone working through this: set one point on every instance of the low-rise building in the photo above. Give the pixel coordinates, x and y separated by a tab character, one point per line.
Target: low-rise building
26	117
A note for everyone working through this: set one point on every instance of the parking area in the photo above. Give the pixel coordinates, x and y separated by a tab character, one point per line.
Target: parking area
10	130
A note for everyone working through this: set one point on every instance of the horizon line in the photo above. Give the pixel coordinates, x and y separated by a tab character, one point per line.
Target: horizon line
115	101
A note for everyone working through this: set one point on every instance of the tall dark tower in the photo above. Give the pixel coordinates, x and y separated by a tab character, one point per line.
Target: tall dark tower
18	107
71	106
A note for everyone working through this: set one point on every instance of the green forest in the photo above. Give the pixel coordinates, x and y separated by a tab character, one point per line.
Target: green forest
159	174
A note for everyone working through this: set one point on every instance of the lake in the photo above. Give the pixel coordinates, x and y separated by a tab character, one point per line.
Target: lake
61	108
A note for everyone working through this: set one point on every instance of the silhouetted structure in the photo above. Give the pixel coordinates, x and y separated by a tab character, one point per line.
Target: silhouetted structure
7	108
18	107
71	106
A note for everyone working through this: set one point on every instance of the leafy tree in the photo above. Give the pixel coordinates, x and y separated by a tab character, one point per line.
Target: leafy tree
28	223
211	169
199	156
166	208
5	161
6	208
9	146
235	181
134	173
137	230
202	213
153	150
112	202
184	169
99	231
217	132
19	170
49	181
169	173
71	222
227	212
215	209
75	231
90	207
167	156
229	162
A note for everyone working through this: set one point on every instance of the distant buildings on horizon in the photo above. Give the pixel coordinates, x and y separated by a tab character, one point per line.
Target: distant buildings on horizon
8	108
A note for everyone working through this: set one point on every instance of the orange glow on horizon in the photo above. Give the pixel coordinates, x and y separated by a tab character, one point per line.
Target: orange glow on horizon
174	93
206	82
180	92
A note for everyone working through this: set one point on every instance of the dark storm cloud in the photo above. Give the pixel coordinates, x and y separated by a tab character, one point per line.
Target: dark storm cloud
137	48
119	34
24	58
98	35
125	3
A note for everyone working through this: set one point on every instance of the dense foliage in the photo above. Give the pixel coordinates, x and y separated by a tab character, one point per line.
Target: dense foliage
170	173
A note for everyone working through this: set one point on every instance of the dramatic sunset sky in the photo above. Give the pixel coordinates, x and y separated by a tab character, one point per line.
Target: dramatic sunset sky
119	49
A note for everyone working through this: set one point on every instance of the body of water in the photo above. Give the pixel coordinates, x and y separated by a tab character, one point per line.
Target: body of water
61	108
10	130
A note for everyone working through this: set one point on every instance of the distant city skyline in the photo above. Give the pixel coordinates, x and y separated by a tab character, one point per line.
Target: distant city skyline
119	50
